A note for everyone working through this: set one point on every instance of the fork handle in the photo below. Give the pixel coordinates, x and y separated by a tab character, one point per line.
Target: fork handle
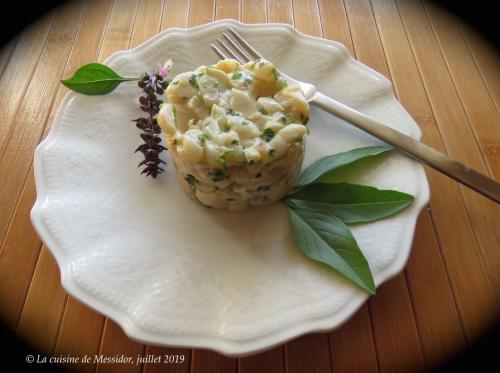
414	148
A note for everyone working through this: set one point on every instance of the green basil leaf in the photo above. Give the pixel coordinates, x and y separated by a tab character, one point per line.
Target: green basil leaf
323	167
323	237
94	79
353	203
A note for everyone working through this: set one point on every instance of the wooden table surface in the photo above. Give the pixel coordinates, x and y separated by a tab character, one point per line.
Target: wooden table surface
445	76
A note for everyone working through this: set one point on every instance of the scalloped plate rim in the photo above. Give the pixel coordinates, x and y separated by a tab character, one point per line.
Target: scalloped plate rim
223	346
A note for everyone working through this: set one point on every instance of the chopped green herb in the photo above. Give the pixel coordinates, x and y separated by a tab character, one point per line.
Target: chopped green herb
231	112
283	119
222	158
245	122
237	75
193	81
275	73
247	82
203	137
254	62
215	85
284	83
235	142
272	152
218	175
267	134
174	112
175	82
263	111
191	180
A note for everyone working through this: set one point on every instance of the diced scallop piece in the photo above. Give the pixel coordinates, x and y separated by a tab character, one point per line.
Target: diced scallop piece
166	119
292	98
269	105
278	146
198	107
244	128
221	79
275	126
212	199
211	126
252	154
227	138
228	65
181	87
265	72
293	132
182	115
211	153
242	102
190	151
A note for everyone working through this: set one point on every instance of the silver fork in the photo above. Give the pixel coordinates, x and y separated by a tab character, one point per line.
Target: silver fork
232	45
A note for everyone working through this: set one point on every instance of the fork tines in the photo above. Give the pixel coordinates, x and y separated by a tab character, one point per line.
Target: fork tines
232	45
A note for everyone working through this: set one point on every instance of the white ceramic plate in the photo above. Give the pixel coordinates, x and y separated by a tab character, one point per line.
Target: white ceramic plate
172	272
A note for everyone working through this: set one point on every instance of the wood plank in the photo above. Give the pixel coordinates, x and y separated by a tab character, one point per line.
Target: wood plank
204	361
225	9
365	38
28	123
79	335
460	251
482	213
400	339
181	360
18	257
352	347
309	353
40	319
279	11
175	14
425	265
200	12
476	101
21	247
271	361
306	17
147	21
6	53
394	329
334	22
253	11
487	60
435	310
18	73
116	344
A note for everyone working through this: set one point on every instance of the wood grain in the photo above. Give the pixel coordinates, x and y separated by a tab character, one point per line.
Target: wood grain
444	75
448	213
487	61
18	73
483	214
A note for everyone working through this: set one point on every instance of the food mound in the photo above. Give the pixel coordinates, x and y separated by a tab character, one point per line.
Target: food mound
235	133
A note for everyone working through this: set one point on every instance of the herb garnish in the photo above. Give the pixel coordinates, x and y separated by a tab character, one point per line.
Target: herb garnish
237	75
319	209
263	111
267	134
193	82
